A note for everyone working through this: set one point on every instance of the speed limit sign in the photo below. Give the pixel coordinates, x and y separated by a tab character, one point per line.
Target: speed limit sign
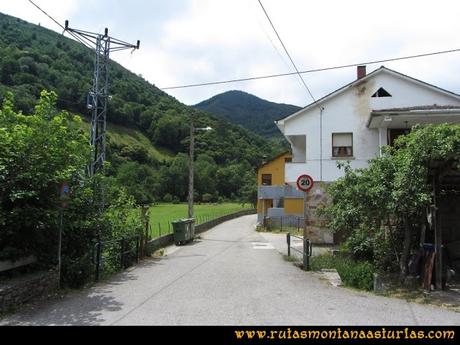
305	183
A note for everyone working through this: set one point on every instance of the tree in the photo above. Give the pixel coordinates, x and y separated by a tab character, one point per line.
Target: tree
141	182
388	200
205	173
37	154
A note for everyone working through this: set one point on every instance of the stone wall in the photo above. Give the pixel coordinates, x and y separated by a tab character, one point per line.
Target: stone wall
316	229
14	292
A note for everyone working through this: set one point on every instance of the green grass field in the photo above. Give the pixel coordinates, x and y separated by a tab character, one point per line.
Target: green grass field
162	215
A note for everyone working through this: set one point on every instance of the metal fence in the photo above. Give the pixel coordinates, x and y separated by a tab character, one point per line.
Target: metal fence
159	229
115	255
306	252
284	223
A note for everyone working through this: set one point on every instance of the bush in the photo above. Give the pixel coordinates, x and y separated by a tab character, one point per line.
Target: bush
168	198
361	245
357	274
207	197
37	154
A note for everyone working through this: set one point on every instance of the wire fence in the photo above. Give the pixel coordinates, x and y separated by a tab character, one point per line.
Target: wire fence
159	229
293	224
115	255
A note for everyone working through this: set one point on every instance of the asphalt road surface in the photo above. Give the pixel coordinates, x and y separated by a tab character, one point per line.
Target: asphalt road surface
231	276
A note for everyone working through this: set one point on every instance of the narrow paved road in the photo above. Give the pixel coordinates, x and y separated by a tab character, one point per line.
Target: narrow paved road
231	276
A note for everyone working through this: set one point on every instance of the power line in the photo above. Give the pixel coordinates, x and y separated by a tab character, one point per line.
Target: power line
287	53
373	62
60	25
279	75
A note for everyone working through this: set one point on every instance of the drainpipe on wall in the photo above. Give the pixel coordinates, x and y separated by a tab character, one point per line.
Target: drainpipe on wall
321	109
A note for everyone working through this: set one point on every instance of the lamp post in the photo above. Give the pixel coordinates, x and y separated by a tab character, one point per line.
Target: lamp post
191	176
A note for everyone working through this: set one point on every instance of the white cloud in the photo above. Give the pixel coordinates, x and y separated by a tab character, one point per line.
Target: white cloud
194	41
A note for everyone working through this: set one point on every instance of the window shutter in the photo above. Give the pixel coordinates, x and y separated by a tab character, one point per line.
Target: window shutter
342	139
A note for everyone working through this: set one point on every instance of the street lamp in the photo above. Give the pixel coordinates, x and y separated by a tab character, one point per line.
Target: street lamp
191	168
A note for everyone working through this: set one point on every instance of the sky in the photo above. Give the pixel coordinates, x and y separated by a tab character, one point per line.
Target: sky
198	41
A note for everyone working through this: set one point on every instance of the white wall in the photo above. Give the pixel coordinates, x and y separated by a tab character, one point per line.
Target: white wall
349	111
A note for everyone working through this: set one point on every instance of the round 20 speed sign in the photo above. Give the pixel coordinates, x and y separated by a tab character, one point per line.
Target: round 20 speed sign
305	183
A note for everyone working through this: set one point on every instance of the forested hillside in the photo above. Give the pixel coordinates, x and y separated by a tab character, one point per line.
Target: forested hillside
34	58
249	111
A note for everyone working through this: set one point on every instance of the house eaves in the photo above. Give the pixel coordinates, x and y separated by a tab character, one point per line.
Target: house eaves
280	123
274	158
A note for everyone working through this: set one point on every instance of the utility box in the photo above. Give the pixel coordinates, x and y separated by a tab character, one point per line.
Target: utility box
184	231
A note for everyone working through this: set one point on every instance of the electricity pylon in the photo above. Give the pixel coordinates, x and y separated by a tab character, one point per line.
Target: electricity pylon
99	94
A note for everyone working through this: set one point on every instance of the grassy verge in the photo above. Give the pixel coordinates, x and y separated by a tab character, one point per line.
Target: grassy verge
357	274
162	215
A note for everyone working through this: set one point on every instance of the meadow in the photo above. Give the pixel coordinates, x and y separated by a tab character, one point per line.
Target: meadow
162	215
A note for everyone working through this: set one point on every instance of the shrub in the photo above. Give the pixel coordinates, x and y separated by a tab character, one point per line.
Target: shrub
361	245
390	197
207	197
357	274
168	198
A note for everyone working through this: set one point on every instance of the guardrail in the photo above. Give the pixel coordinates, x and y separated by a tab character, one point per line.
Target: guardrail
307	250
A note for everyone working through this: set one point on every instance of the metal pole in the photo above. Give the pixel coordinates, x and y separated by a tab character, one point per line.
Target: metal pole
306	254
288	238
191	172
305	214
98	260
61	222
137	248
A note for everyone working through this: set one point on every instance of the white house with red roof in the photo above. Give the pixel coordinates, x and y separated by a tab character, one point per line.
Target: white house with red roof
354	122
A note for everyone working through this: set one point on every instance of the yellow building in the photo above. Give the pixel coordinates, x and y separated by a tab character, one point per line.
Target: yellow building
275	198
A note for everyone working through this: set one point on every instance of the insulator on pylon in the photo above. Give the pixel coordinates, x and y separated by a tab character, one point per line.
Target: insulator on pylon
90	101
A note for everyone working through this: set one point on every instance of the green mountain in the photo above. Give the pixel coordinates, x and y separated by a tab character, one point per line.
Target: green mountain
148	134
249	111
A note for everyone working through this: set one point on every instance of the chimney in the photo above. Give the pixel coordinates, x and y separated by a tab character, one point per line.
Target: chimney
361	72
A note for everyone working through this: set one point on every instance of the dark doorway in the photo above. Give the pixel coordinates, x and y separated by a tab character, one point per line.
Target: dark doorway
394	133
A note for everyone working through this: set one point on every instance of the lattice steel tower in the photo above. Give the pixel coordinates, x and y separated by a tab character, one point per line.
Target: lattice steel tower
99	94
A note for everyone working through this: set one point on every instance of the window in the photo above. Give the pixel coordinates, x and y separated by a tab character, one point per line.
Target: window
342	145
381	93
288	160
267	179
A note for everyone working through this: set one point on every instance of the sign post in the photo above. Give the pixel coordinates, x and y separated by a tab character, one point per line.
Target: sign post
305	183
